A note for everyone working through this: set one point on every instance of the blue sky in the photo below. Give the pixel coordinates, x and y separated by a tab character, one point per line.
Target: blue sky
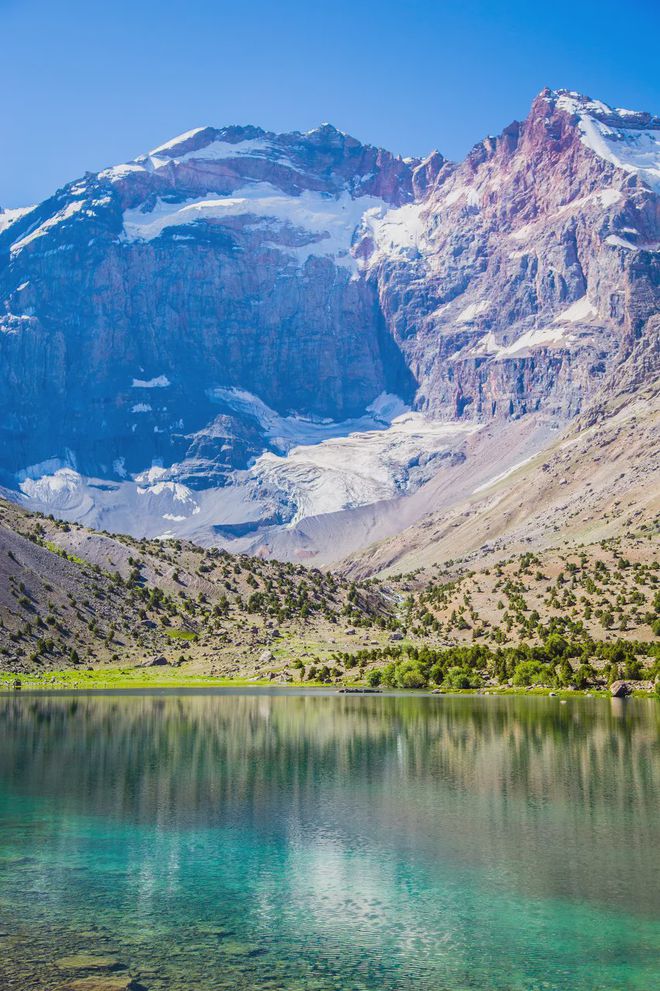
85	85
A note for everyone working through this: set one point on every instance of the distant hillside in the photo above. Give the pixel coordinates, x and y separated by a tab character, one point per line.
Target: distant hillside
74	598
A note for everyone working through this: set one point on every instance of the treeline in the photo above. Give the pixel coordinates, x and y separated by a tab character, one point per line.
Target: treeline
557	663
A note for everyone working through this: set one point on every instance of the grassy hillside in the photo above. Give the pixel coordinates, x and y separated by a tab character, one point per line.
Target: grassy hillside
71	596
74	601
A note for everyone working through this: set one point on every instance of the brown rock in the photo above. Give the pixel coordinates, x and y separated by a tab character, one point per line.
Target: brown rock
620	689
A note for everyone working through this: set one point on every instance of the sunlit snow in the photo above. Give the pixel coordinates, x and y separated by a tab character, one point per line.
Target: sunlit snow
159	382
327	223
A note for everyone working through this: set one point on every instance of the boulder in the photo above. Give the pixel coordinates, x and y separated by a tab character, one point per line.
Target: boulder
620	689
155	662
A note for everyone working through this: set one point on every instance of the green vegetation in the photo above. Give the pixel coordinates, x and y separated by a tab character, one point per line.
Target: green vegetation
566	620
557	664
118	678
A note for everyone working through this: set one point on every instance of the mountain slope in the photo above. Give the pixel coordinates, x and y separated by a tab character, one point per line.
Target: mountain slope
73	596
76	599
599	479
295	344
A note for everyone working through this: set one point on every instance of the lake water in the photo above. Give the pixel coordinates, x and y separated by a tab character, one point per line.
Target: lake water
252	840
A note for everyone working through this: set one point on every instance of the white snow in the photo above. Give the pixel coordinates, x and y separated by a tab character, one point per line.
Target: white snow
160	382
120	171
629	149
608	197
153	474
619	242
502	475
214	151
455	195
361	468
633	149
165	155
575	103
286	432
472	311
579	311
327	223
398	230
68	211
62	490
538	337
179	139
9	216
141	408
486	345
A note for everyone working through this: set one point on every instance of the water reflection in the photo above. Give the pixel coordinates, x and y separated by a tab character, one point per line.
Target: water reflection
361	839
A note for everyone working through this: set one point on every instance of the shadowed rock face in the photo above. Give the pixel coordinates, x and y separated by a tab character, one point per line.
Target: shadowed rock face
317	273
221	300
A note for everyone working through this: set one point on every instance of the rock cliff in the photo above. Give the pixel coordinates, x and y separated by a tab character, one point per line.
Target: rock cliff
180	324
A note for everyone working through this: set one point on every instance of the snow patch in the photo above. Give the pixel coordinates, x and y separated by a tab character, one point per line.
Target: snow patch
635	149
395	231
287	432
10	216
328	223
502	475
58	218
578	312
160	382
359	469
472	311
538	337
608	197
61	490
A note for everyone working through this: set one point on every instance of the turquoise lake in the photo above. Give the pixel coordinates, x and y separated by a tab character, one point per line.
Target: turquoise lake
289	840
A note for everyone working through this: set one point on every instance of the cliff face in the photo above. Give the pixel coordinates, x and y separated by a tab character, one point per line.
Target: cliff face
179	310
222	259
530	266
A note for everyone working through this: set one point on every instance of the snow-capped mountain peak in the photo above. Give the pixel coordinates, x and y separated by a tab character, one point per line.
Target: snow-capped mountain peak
314	274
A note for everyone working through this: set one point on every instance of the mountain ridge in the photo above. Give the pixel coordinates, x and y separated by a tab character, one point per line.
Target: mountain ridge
315	275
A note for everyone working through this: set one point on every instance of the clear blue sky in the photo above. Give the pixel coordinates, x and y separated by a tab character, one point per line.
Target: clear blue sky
86	84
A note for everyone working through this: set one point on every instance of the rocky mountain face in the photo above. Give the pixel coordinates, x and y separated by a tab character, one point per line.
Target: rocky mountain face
530	266
240	329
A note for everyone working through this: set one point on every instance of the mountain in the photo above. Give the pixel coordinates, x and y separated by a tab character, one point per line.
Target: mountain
295	344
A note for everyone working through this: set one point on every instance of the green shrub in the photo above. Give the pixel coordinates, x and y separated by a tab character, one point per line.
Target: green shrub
461	677
529	672
409	675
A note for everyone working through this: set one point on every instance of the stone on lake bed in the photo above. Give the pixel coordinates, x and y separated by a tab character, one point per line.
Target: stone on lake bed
89	961
106	983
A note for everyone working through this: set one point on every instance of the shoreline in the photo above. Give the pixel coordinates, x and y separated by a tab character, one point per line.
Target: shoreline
112	680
